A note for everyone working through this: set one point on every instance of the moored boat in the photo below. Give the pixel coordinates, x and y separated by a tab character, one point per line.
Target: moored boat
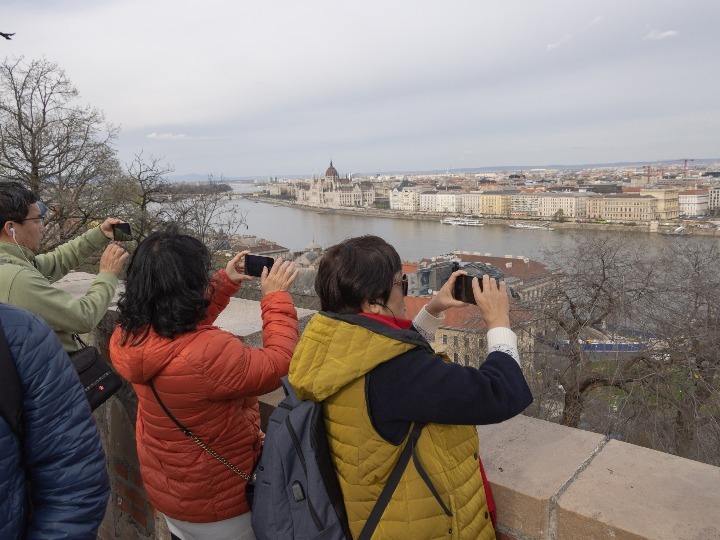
462	221
530	226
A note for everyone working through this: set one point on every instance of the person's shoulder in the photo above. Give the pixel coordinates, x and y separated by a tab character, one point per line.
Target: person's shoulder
15	316
27	331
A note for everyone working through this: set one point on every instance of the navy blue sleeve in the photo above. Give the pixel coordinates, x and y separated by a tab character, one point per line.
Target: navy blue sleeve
63	451
420	387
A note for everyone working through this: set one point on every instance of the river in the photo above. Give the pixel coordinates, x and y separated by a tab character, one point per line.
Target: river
296	228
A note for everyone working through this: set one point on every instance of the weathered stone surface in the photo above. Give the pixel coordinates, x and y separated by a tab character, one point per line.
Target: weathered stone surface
630	492
527	462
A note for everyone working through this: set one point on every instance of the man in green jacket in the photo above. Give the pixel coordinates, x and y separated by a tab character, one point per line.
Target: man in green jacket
25	277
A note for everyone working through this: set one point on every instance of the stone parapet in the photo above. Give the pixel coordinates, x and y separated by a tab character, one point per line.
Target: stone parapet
549	481
555	482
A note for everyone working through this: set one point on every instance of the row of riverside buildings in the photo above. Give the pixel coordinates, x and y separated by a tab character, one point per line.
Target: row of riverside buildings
634	204
611	202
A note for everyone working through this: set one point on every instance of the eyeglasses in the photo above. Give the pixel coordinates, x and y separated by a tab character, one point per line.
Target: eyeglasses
403	283
41	217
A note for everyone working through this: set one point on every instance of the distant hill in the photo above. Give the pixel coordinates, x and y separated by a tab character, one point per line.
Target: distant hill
204	177
695	162
249	179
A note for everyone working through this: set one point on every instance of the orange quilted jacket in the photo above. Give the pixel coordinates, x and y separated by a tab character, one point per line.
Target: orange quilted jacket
210	382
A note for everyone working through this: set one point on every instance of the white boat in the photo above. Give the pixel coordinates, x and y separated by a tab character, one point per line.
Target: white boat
677	232
462	221
530	226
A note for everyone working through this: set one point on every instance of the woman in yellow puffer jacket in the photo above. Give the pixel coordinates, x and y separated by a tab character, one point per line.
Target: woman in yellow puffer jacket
378	375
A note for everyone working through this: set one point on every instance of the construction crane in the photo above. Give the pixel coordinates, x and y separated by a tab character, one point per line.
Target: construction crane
685	167
648	168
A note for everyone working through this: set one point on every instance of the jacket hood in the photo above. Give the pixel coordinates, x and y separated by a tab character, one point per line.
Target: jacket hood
335	349
13	254
139	364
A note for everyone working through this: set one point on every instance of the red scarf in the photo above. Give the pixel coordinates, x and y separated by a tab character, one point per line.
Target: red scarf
389	320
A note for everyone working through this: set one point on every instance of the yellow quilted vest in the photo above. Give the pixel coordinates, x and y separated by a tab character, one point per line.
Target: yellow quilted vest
330	364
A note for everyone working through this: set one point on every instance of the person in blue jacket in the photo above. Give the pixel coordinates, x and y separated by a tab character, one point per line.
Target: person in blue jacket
53	482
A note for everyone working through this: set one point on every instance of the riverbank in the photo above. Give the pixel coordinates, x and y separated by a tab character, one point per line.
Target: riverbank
490	220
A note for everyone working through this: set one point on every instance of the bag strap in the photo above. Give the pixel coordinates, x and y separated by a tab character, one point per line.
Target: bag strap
11	403
190	435
76	337
393	481
488	494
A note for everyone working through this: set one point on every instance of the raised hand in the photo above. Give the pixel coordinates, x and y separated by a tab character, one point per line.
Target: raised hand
235	268
113	259
492	302
279	278
444	298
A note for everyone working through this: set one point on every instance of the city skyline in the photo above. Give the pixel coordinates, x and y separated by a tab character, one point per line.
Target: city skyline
276	90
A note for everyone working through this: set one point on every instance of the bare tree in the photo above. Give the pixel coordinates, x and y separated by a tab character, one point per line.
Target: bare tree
664	393
145	189
60	150
207	216
682	318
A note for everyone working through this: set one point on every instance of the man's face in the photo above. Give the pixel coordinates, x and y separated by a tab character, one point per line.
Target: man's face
30	232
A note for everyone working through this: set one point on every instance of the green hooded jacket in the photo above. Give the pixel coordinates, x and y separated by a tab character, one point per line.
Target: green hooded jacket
26	278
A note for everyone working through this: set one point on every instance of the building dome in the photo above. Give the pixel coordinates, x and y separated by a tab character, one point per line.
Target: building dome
331	172
313	246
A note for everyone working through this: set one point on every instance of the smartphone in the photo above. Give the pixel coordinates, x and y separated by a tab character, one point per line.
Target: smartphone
463	290
121	232
254	264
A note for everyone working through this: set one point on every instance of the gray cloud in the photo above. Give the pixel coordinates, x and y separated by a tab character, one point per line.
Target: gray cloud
167	136
279	88
564	39
657	35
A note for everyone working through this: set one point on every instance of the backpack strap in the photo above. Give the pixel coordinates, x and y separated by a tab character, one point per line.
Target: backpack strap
11	396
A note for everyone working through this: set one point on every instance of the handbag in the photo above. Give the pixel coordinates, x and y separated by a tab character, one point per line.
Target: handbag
98	379
190	435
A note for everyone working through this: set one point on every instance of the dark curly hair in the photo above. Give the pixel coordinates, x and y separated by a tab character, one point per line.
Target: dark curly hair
166	287
356	270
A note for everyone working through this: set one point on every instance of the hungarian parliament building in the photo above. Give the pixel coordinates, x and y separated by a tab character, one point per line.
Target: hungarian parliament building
331	191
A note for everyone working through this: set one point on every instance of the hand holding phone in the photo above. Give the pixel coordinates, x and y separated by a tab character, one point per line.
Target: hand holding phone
254	264
121	232
463	289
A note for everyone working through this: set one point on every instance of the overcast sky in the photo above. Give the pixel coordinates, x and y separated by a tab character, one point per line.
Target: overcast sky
279	88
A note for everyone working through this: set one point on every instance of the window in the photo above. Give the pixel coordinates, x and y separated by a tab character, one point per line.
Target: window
455	357
455	340
444	339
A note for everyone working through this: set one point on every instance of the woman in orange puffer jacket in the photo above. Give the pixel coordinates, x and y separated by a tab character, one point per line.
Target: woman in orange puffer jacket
205	376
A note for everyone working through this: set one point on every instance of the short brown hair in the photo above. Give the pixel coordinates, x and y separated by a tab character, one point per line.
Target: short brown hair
356	270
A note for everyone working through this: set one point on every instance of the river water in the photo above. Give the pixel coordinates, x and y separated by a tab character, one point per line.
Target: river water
296	228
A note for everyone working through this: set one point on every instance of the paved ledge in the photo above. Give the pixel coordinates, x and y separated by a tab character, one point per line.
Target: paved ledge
555	482
241	317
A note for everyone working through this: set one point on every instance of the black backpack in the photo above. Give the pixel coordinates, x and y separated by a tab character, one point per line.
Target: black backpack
294	491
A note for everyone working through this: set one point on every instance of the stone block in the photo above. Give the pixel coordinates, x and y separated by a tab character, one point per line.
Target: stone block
630	492
527	462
